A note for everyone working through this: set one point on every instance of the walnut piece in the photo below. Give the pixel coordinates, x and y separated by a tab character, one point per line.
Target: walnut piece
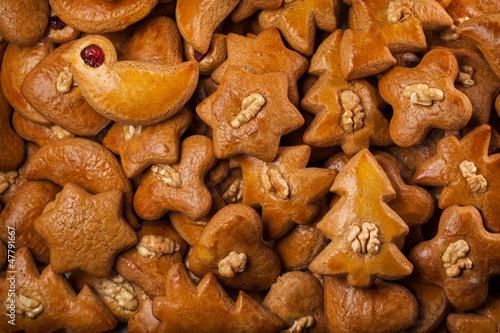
274	181
117	288
152	246
353	115
129	131
234	192
399	10
476	183
450	34
7	179
167	174
250	106
365	239
300	325
233	263
465	76
64	81
455	258
28	307
60	133
422	94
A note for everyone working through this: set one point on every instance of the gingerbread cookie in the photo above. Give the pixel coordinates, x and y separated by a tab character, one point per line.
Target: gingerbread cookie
247	8
210	60
58	31
40	135
12	148
23	22
143	320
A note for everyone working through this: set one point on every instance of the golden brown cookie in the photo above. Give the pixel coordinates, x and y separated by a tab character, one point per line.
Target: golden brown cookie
297	21
207	308
469	323
264	53
210	60
249	118
231	248
96	16
140	147
352	118
17	62
143	320
180	186
86	164
286	190
198	19
159	247
23	22
460	259
25	206
128	92
467	173
156	40
297	298
47	90
247	8
40	135
70	224
12	149
365	232
46	302
59	31
424	97
384	307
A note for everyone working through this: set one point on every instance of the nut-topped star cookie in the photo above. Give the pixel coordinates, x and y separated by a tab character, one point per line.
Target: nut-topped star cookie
249	113
264	54
469	176
287	191
180	186
424	97
297	21
85	231
347	112
141	146
460	259
379	28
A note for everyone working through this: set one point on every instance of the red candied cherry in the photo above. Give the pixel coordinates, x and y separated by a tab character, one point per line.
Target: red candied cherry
199	56
56	23
93	55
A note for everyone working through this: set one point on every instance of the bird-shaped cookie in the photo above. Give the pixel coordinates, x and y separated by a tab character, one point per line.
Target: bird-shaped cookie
128	92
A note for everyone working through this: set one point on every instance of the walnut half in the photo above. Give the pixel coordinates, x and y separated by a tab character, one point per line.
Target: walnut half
300	325
233	263
167	174
399	10
250	106
365	239
151	246
274	181
476	183
27	306
455	258
353	115
422	94
122	292
7	179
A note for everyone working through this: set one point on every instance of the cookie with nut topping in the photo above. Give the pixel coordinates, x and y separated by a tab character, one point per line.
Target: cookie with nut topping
40	135
460	259
58	31
468	174
424	97
353	117
249	118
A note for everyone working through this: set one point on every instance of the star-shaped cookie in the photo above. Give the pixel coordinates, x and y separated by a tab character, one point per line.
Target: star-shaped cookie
460	259
180	186
264	54
247	8
141	146
424	97
249	113
347	112
297	21
287	191
85	231
469	176
47	303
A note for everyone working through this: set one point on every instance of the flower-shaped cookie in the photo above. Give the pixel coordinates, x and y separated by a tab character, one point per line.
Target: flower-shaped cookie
46	302
141	146
347	112
287	191
424	97
265	53
469	176
207	308
85	231
297	21
180	186
460	259
363	229
249	113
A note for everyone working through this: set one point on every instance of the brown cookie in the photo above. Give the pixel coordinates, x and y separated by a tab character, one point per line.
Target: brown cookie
70	224
40	135
146	264
23	22
247	8
12	149
231	248
143	320
210	60
60	32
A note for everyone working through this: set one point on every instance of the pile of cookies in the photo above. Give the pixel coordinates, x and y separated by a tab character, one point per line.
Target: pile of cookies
250	165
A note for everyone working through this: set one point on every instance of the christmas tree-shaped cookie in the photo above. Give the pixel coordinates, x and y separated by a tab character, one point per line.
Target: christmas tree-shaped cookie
364	230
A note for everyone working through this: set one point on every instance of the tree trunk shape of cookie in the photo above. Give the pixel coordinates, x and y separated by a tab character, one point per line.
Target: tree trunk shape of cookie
363	228
129	92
